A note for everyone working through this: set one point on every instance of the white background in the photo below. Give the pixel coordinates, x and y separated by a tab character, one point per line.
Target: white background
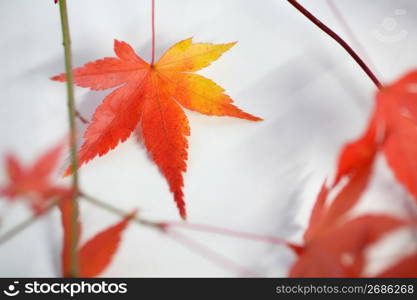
254	177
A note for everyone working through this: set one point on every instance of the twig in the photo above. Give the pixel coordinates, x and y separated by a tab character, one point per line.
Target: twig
339	40
26	223
209	254
73	271
164	226
351	35
187	241
81	118
182	239
228	232
153	32
119	212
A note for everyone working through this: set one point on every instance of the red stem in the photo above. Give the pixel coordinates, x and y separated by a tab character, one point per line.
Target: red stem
209	254
349	32
225	231
80	117
339	40
153	33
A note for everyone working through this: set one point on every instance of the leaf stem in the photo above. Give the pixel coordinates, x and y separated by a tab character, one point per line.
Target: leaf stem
350	34
72	137
119	212
164	226
226	232
81	118
153	33
187	242
210	255
339	40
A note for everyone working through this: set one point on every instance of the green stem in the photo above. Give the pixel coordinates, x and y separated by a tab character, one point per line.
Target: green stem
72	138
26	223
119	212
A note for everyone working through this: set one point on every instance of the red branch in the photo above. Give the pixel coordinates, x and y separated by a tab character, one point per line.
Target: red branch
225	231
339	40
153	32
209	254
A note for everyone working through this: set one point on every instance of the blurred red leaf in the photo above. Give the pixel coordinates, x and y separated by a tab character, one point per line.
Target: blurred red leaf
324	215
393	129
398	104
340	250
95	255
358	153
34	182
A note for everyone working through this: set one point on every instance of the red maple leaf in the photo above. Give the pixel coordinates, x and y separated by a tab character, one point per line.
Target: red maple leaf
34	182
340	250
151	96
320	254
398	110
335	246
324	215
97	253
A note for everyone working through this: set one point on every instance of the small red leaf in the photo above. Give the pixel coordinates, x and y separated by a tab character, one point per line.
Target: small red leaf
34	182
398	108
98	252
358	153
324	217
339	252
317	213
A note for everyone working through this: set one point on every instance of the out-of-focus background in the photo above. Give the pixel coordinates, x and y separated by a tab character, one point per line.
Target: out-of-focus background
253	177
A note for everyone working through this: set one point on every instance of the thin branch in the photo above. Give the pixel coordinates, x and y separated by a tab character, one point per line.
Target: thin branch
227	232
351	35
193	245
81	118
339	40
153	33
26	223
165	226
119	212
73	135
187	242
210	255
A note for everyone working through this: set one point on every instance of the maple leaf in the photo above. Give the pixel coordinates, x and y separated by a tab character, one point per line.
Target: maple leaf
96	254
34	182
398	106
360	152
324	216
151	96
340	251
324	253
327	220
355	163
